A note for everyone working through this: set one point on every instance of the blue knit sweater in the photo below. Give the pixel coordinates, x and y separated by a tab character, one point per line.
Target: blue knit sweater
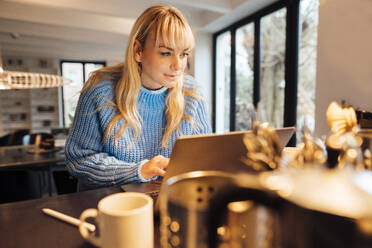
99	164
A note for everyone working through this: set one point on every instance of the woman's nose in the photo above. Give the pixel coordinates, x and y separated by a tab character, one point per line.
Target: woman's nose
176	63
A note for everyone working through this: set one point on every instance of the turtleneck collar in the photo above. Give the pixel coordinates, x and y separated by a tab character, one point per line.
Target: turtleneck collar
154	99
158	91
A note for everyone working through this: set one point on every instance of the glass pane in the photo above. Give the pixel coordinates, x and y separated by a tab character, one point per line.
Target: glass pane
89	67
307	66
273	35
223	64
71	92
244	76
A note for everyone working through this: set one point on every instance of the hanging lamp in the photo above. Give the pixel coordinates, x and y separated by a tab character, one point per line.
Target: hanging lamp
28	80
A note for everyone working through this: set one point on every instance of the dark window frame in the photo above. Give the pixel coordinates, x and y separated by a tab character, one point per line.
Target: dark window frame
83	62
291	61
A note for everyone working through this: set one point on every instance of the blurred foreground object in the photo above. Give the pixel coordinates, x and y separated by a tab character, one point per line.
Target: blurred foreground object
345	142
263	147
351	153
364	118
366	135
304	207
341	120
311	152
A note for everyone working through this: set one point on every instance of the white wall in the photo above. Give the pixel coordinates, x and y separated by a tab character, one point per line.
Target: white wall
202	66
344	67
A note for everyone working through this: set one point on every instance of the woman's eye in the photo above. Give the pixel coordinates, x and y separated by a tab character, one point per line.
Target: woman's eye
165	53
184	54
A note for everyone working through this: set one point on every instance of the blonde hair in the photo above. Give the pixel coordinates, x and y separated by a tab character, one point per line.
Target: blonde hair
169	27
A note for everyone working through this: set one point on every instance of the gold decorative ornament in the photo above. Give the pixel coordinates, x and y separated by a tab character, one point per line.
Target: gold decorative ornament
311	152
263	148
351	153
341	120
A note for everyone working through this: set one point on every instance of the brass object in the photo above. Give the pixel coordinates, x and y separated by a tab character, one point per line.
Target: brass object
184	208
185	213
345	139
351	153
263	148
367	159
311	152
341	120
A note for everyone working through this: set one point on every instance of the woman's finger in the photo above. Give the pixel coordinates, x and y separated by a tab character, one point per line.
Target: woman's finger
158	171
163	163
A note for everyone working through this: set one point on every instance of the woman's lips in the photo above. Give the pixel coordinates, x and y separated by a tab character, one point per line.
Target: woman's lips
170	76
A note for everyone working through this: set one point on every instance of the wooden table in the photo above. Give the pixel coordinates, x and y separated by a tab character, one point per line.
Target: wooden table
20	158
22	224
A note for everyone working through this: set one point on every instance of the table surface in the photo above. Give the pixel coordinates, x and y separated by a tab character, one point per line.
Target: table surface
22	224
19	157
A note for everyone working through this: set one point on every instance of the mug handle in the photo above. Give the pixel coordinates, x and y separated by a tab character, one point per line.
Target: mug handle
89	236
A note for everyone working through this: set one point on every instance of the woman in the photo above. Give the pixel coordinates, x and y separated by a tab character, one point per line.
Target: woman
130	115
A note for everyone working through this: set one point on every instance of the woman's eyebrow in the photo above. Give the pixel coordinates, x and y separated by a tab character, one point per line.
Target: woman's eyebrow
171	49
161	46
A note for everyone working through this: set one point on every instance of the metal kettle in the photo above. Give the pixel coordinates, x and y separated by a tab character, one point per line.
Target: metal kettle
310	207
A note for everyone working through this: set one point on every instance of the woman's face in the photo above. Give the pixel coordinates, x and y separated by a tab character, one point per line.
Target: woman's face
162	66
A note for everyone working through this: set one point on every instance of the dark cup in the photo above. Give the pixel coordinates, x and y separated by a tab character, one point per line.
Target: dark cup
47	144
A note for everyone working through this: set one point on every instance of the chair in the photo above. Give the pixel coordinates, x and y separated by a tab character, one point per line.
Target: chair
14	185
42	140
15	138
60	179
22	185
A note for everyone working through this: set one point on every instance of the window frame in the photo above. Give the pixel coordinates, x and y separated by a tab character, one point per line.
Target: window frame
61	101
291	62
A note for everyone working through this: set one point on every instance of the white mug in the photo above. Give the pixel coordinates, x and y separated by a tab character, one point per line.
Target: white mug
123	219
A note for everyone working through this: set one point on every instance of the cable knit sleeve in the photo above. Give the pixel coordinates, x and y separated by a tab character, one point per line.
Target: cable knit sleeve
85	155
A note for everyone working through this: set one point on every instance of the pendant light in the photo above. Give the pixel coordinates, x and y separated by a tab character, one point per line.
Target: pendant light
28	80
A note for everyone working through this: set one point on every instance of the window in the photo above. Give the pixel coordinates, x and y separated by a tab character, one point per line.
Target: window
78	72
307	66
223	64
273	38
244	76
269	61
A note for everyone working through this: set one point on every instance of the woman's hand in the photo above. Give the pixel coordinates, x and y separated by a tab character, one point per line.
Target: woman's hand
155	167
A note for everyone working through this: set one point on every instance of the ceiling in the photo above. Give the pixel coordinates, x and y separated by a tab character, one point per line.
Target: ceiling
96	29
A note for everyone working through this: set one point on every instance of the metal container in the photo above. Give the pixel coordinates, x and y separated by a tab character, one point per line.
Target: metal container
184	213
303	208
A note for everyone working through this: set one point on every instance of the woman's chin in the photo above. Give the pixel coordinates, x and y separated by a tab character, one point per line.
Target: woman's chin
170	84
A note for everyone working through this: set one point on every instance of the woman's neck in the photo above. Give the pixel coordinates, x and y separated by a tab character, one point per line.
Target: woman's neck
152	89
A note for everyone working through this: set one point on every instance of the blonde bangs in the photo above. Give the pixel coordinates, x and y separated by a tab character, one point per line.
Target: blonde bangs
173	31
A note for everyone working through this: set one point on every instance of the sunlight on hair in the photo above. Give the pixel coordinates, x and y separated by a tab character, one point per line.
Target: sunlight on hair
174	32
